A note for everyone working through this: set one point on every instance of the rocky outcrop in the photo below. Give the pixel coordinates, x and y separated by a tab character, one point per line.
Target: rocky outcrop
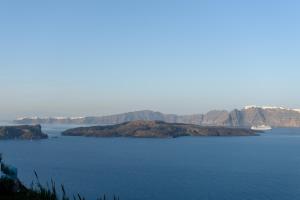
155	129
25	132
255	116
247	117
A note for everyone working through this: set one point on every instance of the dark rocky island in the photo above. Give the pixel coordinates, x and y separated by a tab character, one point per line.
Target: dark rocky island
24	132
156	129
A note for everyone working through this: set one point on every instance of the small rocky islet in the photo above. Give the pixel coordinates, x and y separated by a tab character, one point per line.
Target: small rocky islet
22	132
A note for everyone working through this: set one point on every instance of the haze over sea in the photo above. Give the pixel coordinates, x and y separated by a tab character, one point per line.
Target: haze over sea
214	168
94	58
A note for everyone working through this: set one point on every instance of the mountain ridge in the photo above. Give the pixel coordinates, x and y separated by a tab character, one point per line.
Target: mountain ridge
246	117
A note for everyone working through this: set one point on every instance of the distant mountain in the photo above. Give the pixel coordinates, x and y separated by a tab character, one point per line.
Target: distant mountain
156	129
246	117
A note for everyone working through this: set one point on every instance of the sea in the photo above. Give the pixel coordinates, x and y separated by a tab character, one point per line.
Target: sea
265	167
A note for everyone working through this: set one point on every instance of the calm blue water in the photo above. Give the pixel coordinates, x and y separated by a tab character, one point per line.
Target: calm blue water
265	167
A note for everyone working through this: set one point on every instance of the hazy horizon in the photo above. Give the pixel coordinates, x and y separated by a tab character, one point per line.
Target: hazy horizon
95	58
142	110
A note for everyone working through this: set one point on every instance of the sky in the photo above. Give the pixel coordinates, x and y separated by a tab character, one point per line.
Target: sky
83	58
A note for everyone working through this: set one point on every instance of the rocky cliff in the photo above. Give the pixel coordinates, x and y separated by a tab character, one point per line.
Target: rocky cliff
247	117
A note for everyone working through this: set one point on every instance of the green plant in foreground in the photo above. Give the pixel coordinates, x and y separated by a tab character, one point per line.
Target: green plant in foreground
15	190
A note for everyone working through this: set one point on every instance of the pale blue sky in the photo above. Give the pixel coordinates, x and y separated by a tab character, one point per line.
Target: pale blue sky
100	57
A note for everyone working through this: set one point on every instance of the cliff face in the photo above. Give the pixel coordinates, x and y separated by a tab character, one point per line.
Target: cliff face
251	116
155	129
275	117
26	132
